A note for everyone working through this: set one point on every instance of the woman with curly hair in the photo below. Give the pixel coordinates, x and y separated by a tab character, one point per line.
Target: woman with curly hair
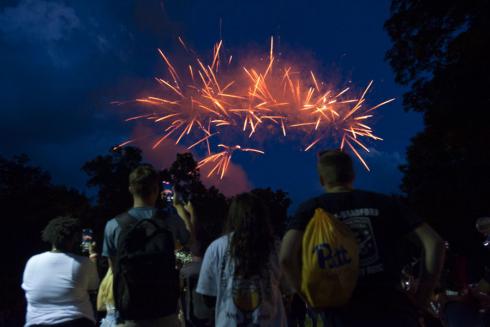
57	282
240	270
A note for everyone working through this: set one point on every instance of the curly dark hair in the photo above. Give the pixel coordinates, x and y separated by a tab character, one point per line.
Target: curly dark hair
253	240
60	232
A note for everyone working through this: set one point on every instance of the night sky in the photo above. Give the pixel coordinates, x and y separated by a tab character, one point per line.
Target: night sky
63	62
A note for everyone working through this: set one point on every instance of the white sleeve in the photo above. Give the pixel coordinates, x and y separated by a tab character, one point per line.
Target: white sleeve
209	274
27	275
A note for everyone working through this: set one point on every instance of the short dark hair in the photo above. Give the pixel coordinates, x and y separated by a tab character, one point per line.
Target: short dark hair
335	167
60	231
143	180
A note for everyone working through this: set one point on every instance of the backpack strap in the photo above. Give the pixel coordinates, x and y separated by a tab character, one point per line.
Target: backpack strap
157	220
159	215
125	219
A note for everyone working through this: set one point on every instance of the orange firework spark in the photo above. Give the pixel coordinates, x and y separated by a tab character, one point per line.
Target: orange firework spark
222	159
261	106
199	102
329	111
192	100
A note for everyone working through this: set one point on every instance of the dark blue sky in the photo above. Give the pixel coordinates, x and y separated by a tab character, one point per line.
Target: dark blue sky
62	62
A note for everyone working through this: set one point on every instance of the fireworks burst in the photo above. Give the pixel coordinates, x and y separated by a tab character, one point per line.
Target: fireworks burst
330	115
194	100
199	102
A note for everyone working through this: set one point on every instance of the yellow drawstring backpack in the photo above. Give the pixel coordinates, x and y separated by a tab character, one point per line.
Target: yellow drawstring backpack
330	265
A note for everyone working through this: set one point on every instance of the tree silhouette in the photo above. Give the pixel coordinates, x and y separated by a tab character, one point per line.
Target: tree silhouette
109	174
210	204
278	203
29	200
184	171
441	50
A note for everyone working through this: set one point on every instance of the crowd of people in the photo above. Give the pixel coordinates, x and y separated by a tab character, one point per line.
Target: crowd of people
242	273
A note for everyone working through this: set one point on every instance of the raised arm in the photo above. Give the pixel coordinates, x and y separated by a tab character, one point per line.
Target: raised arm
434	251
187	213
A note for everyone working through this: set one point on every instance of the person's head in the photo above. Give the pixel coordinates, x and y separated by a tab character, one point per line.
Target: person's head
335	169
143	184
483	225
253	240
63	233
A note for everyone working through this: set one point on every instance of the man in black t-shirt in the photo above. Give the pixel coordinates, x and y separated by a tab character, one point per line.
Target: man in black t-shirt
379	223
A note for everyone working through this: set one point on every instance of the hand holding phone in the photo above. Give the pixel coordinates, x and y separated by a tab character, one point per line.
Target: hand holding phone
87	240
182	192
168	191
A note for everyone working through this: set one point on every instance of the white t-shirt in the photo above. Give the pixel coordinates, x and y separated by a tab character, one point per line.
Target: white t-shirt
240	302
56	287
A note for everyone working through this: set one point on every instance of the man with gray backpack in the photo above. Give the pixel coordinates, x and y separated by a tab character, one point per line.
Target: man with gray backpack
141	252
362	282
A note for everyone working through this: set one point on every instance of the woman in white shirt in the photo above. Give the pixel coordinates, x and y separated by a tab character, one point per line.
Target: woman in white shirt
57	282
240	270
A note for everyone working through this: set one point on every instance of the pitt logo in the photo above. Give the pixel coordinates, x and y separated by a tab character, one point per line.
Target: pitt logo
334	258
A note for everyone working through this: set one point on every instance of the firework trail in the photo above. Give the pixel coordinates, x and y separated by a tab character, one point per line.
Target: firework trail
222	159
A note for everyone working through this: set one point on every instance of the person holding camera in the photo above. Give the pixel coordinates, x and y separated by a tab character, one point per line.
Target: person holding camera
176	215
57	282
207	214
140	247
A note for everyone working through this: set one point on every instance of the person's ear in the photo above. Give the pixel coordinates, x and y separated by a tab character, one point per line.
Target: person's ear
130	189
322	182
